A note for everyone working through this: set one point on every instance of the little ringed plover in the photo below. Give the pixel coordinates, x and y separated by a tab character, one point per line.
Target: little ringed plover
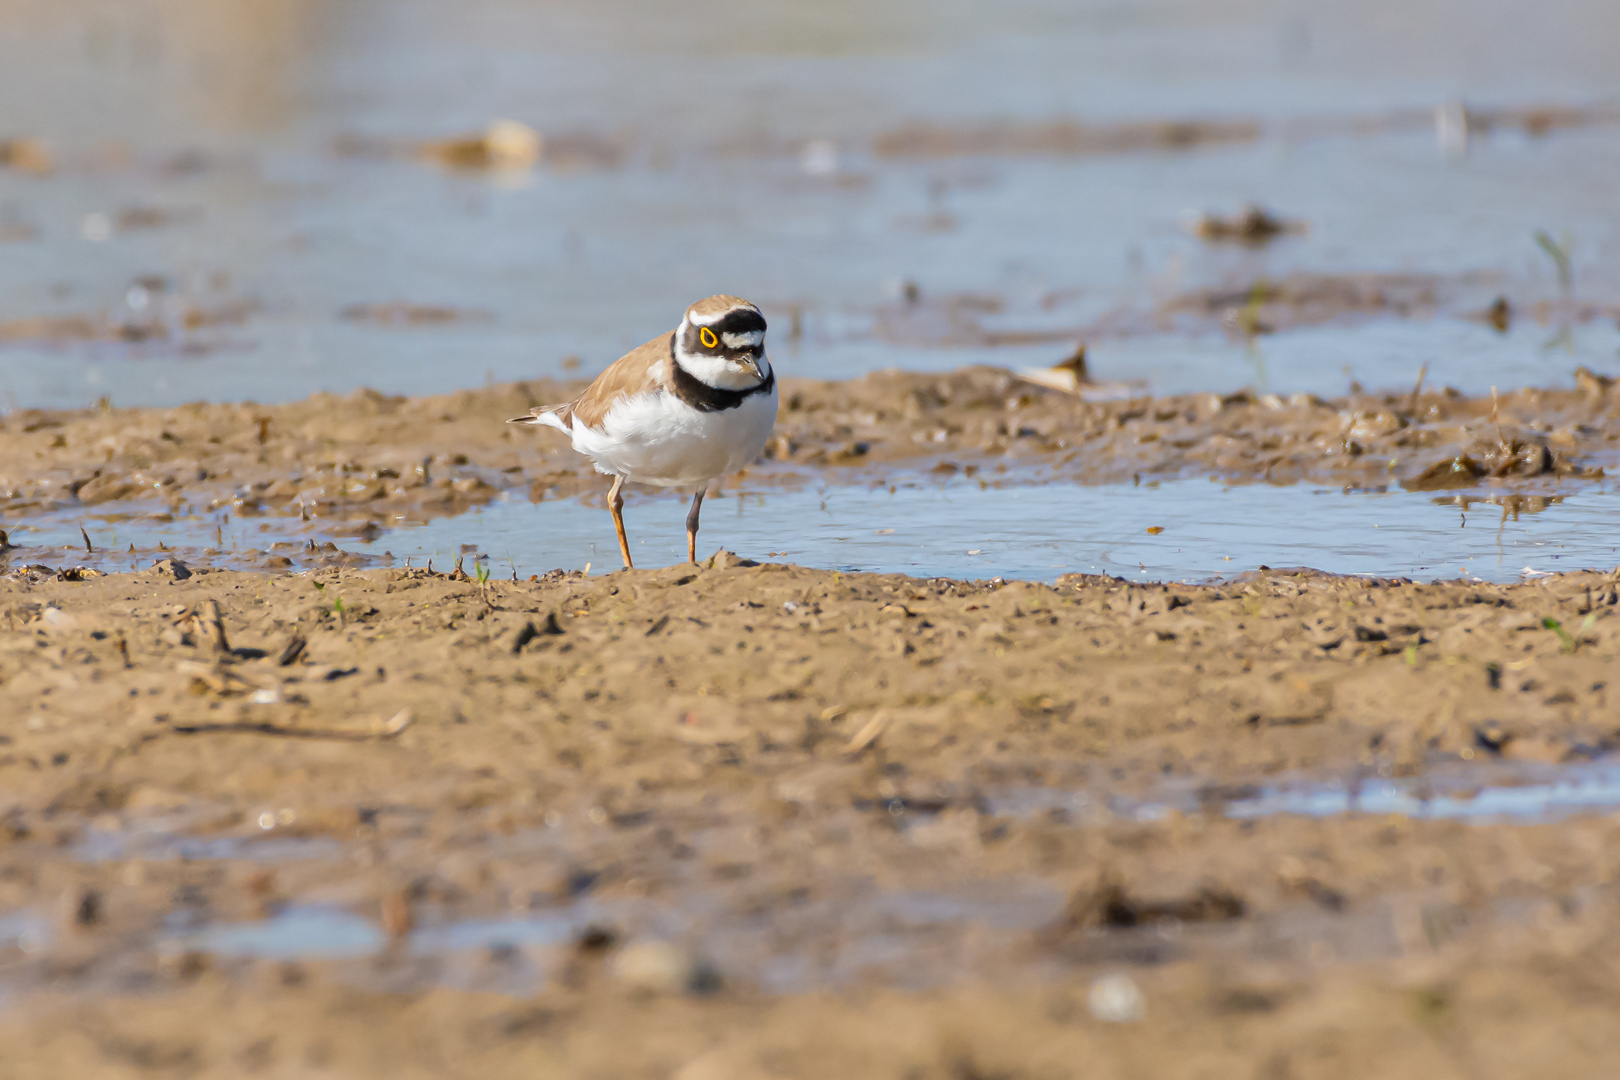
689	406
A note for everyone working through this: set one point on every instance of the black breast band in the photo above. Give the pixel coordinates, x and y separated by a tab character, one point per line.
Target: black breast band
705	398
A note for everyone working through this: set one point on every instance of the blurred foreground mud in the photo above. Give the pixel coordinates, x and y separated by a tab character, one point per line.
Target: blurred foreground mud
777	821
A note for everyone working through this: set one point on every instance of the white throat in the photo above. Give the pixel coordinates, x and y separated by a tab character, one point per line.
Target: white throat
716	371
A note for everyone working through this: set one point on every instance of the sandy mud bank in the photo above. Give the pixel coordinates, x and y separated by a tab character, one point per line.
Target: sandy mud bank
368	460
791	822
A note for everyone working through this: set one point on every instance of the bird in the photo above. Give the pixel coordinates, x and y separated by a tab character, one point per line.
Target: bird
691	405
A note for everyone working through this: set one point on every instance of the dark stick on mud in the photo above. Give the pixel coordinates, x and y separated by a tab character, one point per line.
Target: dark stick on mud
524	636
1500	314
294	649
88	550
279	730
1417	390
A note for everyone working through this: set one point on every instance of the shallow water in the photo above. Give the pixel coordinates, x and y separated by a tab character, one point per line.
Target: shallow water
957	529
1577	790
880	934
897	937
1480	793
196	171
158	841
24	931
851	930
298	931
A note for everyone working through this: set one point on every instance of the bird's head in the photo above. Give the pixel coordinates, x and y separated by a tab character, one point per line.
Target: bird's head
721	341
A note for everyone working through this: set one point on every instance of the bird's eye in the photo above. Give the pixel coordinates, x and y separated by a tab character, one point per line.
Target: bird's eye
706	336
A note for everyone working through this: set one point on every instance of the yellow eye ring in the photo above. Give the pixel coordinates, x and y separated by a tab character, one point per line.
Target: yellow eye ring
706	336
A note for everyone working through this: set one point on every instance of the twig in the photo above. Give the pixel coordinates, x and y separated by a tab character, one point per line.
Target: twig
294	649
869	733
1559	254
280	731
1412	402
380	729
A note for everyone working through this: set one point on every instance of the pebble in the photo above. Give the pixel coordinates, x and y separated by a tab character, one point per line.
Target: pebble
1116	999
653	966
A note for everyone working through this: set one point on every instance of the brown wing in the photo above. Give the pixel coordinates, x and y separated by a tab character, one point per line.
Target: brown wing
642	370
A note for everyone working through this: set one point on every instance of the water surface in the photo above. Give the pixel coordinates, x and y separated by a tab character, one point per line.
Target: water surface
1184	530
222	164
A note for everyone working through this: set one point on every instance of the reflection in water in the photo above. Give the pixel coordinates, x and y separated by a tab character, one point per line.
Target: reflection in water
1512	505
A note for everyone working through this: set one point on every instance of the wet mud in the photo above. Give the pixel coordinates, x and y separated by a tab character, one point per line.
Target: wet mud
171	325
784	821
504	146
369	461
299	810
1254	226
1245	308
1075	137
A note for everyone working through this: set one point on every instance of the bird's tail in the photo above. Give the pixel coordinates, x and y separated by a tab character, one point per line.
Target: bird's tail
557	416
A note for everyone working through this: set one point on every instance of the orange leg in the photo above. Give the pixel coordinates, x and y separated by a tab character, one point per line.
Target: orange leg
616	505
692	526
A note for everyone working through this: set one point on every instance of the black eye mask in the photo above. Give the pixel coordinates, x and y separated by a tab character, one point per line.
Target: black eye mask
710	338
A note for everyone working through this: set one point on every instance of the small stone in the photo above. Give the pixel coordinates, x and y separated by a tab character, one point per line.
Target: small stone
1116	999
103	489
187	965
654	967
58	621
397	917
171	568
81	909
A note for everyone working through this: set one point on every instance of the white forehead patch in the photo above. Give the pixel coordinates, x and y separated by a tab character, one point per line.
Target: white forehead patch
709	320
751	340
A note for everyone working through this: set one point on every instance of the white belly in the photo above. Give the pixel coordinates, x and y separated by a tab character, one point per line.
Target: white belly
658	439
